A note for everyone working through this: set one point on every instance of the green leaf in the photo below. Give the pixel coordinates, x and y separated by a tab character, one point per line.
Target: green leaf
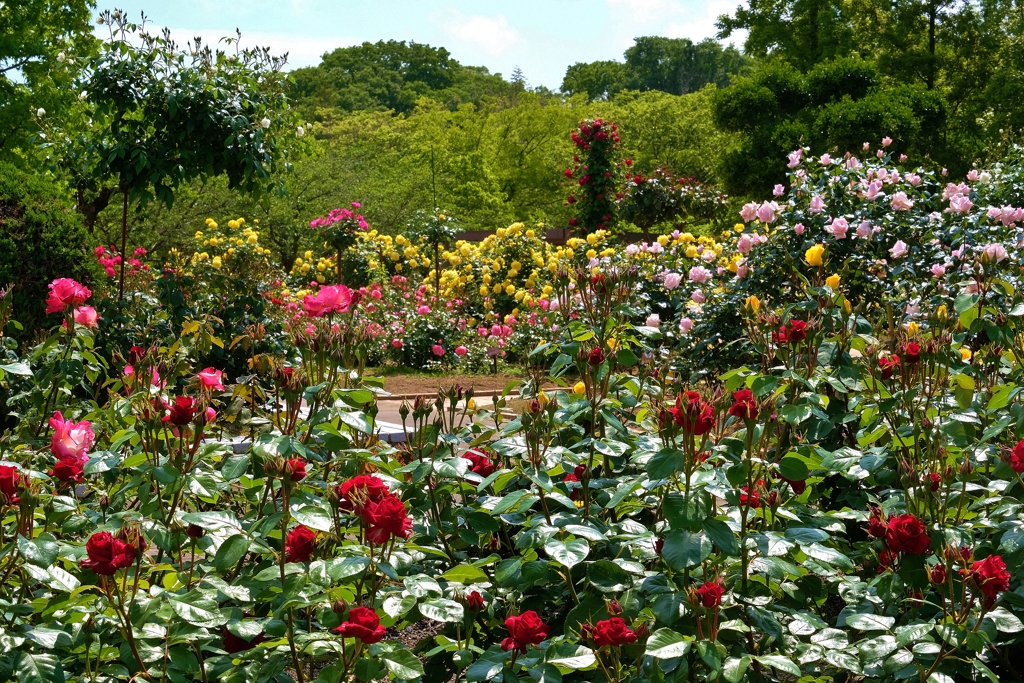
874	649
667	644
230	552
401	663
487	667
795	414
911	633
1005	621
722	536
198	608
22	369
440	609
843	660
37	668
734	668
830	555
466	574
41	552
568	553
571	656
626	358
314	517
780	662
608	577
869	622
793	469
684	549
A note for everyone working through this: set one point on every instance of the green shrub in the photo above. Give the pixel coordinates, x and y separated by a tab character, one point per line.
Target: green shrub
41	238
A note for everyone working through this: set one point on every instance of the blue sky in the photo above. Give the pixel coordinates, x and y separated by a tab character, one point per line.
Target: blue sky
542	37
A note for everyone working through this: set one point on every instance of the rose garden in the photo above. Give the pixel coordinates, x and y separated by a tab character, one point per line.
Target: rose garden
775	438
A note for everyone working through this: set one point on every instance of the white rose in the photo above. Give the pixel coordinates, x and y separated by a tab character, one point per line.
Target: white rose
265	123
300	131
40	112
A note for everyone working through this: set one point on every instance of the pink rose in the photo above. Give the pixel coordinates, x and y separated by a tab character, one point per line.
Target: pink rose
886	141
748	212
817	204
461	350
938	270
864	230
794	158
653	320
779	190
211	378
697	296
685	325
331	299
438	350
899	250
71	439
900	202
699	274
65	292
839	228
86	316
743	244
672	280
799	228
766	212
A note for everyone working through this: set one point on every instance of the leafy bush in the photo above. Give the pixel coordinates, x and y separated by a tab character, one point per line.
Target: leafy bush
41	239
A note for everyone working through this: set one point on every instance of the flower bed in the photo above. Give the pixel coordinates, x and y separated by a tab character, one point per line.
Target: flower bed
842	503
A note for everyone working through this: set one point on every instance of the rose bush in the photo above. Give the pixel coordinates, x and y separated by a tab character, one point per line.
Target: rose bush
841	504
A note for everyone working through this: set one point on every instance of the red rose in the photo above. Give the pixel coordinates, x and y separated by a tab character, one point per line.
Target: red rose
744	405
107	554
991	577
358	491
296	467
596	357
475	602
385	519
65	292
233	644
659	545
362	623
613	632
194	531
300	544
525	629
183	410
906	534
797	331
888	365
711	594
752	499
68	469
938	574
9	478
482	465
876	523
934	479
1017	457
912	352
782	336
693	414
798	485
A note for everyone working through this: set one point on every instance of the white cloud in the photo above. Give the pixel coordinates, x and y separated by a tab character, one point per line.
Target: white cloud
494	35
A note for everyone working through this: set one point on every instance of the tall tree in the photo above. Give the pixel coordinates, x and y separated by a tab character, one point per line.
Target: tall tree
804	32
42	44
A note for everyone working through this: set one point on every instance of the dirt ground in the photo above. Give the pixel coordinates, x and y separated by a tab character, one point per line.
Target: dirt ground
428	384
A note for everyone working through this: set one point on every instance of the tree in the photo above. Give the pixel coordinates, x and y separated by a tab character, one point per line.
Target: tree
597	80
159	116
390	75
671	65
803	32
838	104
42	43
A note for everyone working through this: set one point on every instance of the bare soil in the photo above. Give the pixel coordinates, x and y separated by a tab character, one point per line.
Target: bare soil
411	385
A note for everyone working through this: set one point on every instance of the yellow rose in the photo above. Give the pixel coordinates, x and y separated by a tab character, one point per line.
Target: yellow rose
471	404
832	281
965	353
814	254
913	328
754	304
543	399
579	389
941	312
612	341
